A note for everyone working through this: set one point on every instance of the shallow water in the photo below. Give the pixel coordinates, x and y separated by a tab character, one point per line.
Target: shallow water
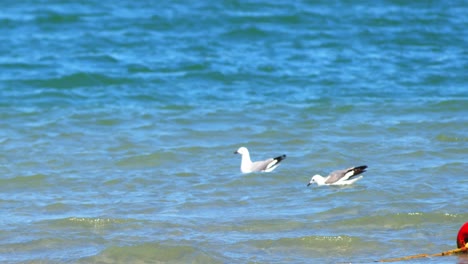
118	123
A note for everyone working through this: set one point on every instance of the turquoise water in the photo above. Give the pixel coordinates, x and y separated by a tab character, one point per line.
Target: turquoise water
118	122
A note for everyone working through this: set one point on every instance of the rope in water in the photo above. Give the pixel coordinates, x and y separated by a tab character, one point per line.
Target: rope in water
445	253
462	244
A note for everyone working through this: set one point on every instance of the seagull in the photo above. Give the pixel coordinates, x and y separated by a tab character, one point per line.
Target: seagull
339	177
247	166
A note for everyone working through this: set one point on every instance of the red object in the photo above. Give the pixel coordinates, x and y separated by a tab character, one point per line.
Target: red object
462	237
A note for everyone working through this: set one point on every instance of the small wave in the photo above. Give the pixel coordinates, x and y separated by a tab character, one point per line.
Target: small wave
34	244
80	79
261	226
315	245
89	222
104	58
398	221
22	66
152	253
449	105
307	241
451	138
24	181
139	68
248	32
147	160
57	18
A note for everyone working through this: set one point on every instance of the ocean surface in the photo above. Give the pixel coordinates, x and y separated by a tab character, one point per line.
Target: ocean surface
119	119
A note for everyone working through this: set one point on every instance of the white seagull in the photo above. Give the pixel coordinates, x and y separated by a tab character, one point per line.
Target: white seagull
247	166
339	177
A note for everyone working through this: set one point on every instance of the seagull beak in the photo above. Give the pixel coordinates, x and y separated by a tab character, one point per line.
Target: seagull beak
235	152
308	184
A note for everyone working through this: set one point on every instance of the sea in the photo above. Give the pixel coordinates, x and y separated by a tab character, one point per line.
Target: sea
119	121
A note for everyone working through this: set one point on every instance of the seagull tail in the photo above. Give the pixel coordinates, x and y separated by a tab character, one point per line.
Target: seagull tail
274	163
280	158
358	170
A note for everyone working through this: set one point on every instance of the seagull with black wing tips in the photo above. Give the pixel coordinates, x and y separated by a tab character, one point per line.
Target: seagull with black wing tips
339	177
247	166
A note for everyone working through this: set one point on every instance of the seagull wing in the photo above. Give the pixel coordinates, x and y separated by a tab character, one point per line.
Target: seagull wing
335	176
263	165
268	164
345	175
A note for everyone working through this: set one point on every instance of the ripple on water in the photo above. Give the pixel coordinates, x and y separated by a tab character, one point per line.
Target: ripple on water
153	253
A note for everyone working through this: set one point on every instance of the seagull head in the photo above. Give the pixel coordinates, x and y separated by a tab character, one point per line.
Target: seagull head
314	179
241	150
